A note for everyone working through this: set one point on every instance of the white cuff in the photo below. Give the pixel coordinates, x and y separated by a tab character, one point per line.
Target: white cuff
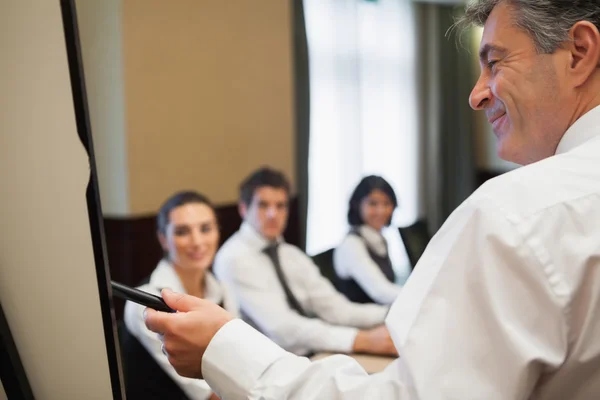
342	340
235	359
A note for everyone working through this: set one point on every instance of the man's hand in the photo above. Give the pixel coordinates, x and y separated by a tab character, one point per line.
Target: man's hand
187	333
375	341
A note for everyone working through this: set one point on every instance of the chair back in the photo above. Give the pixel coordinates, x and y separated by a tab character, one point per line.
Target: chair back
415	238
324	261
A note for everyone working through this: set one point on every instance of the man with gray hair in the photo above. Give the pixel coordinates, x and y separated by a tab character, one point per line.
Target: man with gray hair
505	301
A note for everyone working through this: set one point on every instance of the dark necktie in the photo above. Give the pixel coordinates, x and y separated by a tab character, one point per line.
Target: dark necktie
273	254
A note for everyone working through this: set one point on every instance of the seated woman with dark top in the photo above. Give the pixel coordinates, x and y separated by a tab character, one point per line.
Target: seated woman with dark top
362	262
189	234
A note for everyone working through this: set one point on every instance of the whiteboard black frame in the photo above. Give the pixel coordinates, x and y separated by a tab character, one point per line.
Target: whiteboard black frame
82	119
12	374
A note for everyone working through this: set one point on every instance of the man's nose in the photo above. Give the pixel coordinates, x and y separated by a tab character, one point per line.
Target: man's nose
480	95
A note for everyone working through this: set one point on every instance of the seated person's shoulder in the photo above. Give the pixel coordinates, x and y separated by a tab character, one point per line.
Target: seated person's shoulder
347	250
350	241
232	247
295	251
234	255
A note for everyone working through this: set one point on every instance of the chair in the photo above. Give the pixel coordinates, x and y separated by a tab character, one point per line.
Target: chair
144	378
324	261
415	238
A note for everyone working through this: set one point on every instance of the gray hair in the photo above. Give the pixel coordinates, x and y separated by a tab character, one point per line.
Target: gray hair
548	22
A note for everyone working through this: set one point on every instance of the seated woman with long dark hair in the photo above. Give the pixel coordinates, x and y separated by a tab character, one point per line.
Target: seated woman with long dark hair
362	261
188	232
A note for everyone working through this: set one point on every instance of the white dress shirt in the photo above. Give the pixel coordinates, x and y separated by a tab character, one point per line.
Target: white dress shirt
504	304
250	275
351	260
163	277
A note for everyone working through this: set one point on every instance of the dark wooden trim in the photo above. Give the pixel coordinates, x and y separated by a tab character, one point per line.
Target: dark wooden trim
133	249
82	120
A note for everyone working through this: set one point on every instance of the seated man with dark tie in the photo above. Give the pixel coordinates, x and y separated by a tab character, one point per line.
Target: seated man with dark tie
281	291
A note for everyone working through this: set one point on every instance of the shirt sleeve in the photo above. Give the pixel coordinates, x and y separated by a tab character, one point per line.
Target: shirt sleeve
267	308
240	363
352	259
478	320
195	389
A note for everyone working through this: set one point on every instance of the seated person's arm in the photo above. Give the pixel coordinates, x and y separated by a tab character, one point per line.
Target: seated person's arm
195	389
334	307
353	257
267	307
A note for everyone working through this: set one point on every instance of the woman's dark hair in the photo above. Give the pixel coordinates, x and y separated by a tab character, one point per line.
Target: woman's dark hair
176	200
262	177
367	185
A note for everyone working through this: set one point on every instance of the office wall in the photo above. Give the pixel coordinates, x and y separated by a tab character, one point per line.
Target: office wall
48	283
184	95
208	96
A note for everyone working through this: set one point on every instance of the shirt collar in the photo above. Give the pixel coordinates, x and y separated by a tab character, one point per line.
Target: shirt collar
254	238
584	129
370	234
374	239
164	276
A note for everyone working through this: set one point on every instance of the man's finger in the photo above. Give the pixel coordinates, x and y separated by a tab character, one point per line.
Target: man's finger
181	302
156	321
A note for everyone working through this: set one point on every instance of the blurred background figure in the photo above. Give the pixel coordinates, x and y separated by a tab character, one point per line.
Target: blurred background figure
362	262
188	232
280	289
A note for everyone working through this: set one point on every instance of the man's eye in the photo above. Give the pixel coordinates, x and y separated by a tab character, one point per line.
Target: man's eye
491	64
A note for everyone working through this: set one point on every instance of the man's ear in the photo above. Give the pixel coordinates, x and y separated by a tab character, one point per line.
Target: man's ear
585	51
242	209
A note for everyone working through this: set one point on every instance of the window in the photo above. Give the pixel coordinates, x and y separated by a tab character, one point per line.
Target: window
364	112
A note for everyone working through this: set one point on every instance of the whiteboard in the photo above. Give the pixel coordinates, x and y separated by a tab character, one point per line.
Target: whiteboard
53	281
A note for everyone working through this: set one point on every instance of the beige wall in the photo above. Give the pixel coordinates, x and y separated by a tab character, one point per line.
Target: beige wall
48	286
208	94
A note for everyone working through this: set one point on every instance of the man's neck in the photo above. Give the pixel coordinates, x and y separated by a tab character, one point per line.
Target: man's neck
588	98
258	233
